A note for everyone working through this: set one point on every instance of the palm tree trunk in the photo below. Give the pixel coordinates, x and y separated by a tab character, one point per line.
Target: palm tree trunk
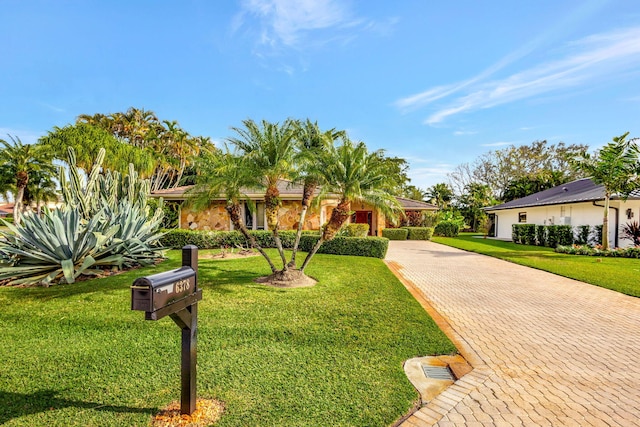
17	205
234	214
307	197
339	216
605	223
272	203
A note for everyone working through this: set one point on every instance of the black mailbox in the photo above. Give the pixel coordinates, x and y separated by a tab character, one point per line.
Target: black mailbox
154	292
170	291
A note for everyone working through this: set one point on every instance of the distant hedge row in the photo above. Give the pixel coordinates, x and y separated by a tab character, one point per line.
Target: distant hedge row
408	233
554	235
375	247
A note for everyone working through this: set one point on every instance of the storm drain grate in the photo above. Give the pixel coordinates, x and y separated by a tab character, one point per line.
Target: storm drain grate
438	373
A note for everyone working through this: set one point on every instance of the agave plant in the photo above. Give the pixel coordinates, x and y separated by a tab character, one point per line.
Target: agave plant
58	247
138	239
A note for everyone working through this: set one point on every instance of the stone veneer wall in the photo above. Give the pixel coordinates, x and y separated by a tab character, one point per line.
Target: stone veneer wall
216	217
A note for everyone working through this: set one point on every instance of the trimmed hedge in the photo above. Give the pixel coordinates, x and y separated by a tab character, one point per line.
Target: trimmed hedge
395	233
543	235
355	230
446	229
419	233
586	250
178	238
373	247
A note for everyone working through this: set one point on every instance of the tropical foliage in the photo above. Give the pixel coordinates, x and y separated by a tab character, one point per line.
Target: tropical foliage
267	154
18	163
174	150
105	222
617	167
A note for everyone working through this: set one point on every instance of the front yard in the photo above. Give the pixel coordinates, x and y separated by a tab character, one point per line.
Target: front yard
618	274
327	355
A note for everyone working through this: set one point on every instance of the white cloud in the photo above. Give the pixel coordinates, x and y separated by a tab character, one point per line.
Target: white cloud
285	22
464	132
594	58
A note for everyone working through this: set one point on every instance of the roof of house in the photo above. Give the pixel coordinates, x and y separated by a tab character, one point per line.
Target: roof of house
581	190
6	209
416	205
288	190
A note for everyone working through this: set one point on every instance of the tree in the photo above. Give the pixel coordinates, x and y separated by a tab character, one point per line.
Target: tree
476	197
86	141
226	174
440	195
269	149
499	168
354	174
311	142
617	167
19	161
534	183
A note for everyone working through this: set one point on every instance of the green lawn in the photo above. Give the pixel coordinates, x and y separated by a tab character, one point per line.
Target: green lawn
76	355
618	274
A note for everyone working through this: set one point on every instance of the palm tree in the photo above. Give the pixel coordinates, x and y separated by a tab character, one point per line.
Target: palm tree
226	174
617	167
269	149
19	161
311	143
440	195
354	174
40	189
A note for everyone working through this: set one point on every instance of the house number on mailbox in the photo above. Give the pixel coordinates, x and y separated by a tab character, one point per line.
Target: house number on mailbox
182	285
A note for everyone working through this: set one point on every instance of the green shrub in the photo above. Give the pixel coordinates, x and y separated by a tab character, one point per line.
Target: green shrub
204	239
587	250
395	233
596	235
447	229
355	230
527	234
419	233
565	235
552	236
373	247
8	219
515	233
541	235
582	234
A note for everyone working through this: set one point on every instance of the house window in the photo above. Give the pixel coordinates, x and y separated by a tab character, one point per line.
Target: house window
255	220
522	217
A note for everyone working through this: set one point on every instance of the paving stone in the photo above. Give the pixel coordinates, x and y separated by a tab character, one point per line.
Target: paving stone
546	350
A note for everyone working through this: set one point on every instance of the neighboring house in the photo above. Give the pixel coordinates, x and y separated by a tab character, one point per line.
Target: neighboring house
575	203
215	217
6	209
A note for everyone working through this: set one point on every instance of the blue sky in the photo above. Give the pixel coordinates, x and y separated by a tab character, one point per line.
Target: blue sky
437	83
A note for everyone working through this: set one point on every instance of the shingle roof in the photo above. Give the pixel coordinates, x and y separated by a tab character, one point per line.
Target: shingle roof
581	190
288	190
6	209
409	204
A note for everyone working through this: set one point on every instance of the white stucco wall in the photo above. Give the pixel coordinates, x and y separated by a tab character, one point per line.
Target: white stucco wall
575	214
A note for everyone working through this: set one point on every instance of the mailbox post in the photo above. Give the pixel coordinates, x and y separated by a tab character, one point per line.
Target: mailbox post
175	293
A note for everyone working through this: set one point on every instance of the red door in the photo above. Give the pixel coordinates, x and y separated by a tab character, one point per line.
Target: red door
364	217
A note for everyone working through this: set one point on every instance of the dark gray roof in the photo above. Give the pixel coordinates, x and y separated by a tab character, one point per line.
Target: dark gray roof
581	190
417	205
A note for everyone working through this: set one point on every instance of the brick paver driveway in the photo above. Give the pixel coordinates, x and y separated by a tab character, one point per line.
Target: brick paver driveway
546	350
